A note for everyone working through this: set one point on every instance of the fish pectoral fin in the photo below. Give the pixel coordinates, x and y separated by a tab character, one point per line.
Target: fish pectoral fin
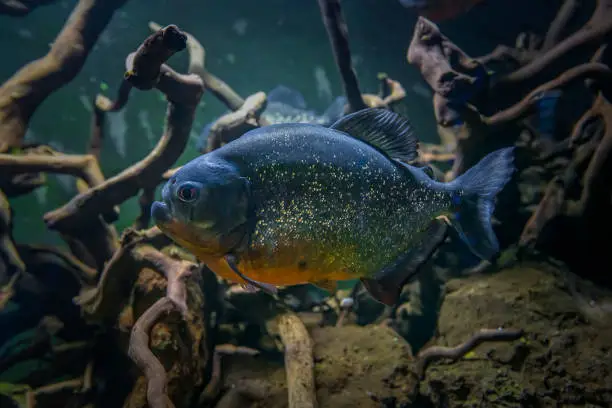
386	286
251	285
329	285
385	130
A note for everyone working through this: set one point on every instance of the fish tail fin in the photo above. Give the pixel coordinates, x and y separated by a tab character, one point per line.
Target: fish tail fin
473	194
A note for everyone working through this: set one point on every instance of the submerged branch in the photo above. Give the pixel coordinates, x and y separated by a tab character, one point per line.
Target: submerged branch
23	93
337	32
183	93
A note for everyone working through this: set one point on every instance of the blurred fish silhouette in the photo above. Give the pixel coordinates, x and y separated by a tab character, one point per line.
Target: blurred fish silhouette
440	10
287	105
546	113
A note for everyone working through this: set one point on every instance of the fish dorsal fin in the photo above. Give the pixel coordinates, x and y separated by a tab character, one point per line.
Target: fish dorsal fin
383	129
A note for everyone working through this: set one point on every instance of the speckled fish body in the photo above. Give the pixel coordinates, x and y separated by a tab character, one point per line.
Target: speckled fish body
301	203
326	206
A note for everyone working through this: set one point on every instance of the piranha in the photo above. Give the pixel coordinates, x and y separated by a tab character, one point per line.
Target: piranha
290	204
440	10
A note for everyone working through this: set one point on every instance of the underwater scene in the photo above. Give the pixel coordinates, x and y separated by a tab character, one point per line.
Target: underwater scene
305	203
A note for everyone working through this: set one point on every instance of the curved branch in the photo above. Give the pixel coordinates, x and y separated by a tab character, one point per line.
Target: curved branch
105	104
46	160
143	357
593	70
197	59
234	124
559	24
578	46
431	354
183	93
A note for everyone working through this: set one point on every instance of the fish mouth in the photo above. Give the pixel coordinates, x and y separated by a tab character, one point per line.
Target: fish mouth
160	212
193	235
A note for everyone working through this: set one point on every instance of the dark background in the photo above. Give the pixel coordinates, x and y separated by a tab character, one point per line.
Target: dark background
282	42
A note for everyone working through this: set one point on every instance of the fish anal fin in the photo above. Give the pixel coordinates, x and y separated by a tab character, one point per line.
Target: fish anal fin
329	285
382	294
386	286
383	129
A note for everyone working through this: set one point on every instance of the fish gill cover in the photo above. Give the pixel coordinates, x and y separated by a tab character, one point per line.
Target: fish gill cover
459	246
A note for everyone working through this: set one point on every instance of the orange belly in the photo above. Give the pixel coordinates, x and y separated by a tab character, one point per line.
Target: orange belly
284	269
292	263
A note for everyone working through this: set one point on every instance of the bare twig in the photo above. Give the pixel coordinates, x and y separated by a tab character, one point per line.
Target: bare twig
434	353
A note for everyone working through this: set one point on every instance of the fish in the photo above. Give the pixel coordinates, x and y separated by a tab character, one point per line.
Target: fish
440	10
298	203
546	113
287	105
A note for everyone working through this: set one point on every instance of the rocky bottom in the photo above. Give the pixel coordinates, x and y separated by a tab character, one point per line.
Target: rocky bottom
564	358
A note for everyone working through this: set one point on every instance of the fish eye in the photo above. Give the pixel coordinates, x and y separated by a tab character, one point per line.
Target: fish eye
188	192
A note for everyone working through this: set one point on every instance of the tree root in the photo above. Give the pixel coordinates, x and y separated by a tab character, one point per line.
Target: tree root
234	124
10	260
143	357
147	196
176	271
105	301
589	169
83	273
578	46
80	385
212	389
45	159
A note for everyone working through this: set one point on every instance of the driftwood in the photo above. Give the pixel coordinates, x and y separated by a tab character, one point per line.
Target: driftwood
21	95
183	94
338	37
298	361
